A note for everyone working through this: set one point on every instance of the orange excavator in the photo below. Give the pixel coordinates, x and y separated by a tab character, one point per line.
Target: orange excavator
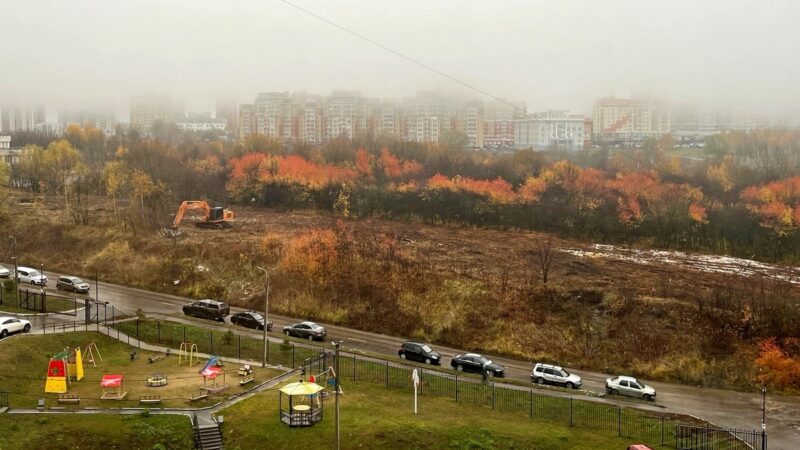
213	217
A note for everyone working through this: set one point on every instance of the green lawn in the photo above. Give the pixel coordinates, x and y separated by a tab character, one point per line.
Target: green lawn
24	359
73	431
375	417
171	334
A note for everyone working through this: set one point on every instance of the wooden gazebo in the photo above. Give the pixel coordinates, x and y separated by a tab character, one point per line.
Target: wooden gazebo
303	405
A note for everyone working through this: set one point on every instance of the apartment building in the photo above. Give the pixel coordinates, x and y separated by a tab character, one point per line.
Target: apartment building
550	130
617	120
498	123
105	120
345	115
147	109
17	118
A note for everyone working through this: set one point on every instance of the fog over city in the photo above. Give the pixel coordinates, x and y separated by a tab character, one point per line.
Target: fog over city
550	54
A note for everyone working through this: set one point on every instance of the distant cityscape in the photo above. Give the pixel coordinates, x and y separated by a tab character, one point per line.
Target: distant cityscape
427	117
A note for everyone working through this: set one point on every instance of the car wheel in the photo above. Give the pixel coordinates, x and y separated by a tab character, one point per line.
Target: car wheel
27	328
570	385
460	368
490	373
647	397
58	287
614	392
3	334
402	356
287	332
310	337
428	361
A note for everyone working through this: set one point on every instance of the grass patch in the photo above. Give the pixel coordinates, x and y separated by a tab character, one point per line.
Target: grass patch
23	369
106	431
171	334
376	417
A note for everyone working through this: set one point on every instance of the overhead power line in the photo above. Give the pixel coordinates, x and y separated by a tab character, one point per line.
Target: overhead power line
401	55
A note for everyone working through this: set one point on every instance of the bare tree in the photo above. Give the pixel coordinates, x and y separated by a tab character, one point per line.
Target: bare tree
541	258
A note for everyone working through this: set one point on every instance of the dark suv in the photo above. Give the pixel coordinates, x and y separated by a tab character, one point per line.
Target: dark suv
207	309
417	351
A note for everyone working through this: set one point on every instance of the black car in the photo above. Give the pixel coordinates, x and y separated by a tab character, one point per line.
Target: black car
250	319
73	284
417	351
306	330
207	309
475	363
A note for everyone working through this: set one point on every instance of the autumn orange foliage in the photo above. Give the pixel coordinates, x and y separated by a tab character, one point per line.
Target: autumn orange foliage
498	190
777	367
394	169
777	203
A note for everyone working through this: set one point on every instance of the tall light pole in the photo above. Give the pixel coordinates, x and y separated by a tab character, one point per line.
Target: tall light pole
763	417
336	389
14	258
266	314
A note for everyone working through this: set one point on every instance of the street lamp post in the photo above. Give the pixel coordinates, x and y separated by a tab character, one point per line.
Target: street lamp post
336	389
266	314
763	417
14	258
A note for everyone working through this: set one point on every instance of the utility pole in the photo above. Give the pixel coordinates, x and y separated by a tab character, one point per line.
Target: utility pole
266	314
336	387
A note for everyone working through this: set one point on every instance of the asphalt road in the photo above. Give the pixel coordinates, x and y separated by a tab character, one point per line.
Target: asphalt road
724	408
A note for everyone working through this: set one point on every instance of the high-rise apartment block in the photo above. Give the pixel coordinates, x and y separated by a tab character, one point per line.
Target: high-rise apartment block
105	120
146	110
617	120
21	118
424	118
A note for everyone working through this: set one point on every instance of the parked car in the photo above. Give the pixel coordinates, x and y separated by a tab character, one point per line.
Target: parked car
32	276
10	325
306	330
207	309
630	386
250	319
4	273
73	284
551	374
417	351
475	363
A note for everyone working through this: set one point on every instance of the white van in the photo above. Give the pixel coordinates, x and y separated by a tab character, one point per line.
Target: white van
32	276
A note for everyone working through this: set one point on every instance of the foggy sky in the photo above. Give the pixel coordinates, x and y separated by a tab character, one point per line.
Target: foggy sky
550	54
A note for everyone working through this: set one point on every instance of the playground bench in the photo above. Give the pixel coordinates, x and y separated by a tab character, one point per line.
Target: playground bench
155	358
150	399
69	398
199	395
248	379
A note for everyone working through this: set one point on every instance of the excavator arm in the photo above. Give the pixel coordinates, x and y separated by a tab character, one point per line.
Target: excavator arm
194	205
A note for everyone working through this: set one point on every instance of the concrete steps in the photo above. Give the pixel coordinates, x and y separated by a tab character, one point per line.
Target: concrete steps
208	437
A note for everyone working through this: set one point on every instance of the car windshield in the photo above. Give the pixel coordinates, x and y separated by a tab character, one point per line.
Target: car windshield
426	349
34	273
484	361
77	280
566	374
257	316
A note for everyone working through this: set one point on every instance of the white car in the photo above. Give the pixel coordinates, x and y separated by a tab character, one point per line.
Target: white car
631	387
550	374
10	325
4	273
32	276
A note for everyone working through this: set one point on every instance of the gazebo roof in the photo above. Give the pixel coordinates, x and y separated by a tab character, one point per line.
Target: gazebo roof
301	388
111	380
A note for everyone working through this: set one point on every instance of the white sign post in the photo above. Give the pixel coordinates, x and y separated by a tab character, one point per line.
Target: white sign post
415	379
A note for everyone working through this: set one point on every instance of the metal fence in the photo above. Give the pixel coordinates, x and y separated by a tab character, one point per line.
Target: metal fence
506	398
711	438
43	302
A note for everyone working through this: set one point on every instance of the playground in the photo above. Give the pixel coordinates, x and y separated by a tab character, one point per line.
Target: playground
115	374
